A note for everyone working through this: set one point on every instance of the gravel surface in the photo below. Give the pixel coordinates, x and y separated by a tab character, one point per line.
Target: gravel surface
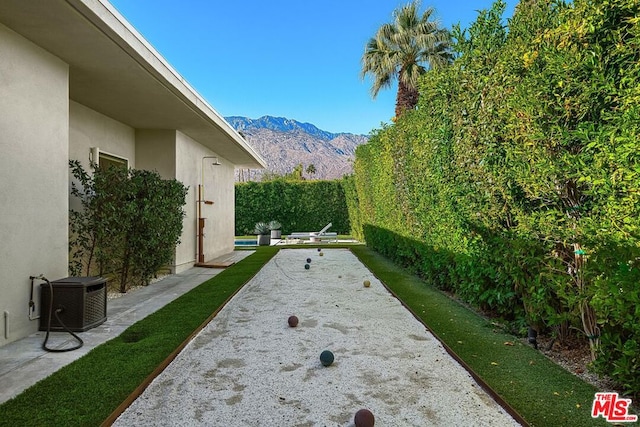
249	368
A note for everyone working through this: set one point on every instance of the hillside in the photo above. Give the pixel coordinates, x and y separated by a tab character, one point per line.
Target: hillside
286	143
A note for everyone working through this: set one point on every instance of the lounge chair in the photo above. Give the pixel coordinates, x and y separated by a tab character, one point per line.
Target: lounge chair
314	236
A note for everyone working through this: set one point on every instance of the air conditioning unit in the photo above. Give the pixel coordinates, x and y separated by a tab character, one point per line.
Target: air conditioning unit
82	300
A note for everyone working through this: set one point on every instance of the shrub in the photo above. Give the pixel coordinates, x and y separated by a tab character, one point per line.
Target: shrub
261	228
129	223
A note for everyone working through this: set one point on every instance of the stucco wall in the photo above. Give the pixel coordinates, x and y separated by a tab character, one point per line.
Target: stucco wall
88	128
156	151
218	188
33	177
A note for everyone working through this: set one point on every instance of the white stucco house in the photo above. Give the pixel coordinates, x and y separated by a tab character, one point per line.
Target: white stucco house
77	81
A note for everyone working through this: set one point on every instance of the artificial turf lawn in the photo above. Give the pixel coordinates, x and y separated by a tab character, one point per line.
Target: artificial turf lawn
88	390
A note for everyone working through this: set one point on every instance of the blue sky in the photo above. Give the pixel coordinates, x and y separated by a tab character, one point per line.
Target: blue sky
287	58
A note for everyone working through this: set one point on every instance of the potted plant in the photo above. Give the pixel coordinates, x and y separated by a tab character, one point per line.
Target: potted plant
262	232
274	226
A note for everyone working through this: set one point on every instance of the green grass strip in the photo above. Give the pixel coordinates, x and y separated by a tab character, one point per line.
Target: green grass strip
85	392
542	392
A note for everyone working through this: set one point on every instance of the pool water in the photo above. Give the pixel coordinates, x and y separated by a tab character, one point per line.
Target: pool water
246	242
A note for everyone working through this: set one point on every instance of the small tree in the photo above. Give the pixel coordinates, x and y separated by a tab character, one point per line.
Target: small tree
311	169
295	174
156	223
82	226
129	223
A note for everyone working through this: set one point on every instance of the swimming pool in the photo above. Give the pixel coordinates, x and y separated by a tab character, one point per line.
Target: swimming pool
246	242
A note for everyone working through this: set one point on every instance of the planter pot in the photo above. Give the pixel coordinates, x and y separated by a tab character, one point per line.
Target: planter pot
276	234
264	239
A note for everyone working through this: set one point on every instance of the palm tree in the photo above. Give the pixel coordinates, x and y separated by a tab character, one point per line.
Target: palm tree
311	169
398	49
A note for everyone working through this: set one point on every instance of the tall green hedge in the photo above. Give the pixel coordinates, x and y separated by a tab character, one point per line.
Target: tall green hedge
516	181
298	205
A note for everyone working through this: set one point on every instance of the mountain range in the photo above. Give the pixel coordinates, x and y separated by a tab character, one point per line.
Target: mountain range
285	143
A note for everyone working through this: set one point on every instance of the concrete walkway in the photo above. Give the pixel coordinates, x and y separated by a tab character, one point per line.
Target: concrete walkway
23	363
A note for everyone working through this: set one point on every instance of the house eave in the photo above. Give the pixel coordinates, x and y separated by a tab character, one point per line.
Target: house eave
115	71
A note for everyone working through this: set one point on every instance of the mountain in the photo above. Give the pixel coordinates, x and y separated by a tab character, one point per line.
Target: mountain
278	124
285	143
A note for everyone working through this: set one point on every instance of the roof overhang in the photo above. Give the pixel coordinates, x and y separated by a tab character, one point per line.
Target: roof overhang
114	71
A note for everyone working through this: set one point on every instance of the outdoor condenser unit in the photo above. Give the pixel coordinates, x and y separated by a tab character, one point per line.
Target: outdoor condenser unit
83	301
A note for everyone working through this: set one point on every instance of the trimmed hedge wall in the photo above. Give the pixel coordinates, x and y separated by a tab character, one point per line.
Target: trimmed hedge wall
515	183
298	205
